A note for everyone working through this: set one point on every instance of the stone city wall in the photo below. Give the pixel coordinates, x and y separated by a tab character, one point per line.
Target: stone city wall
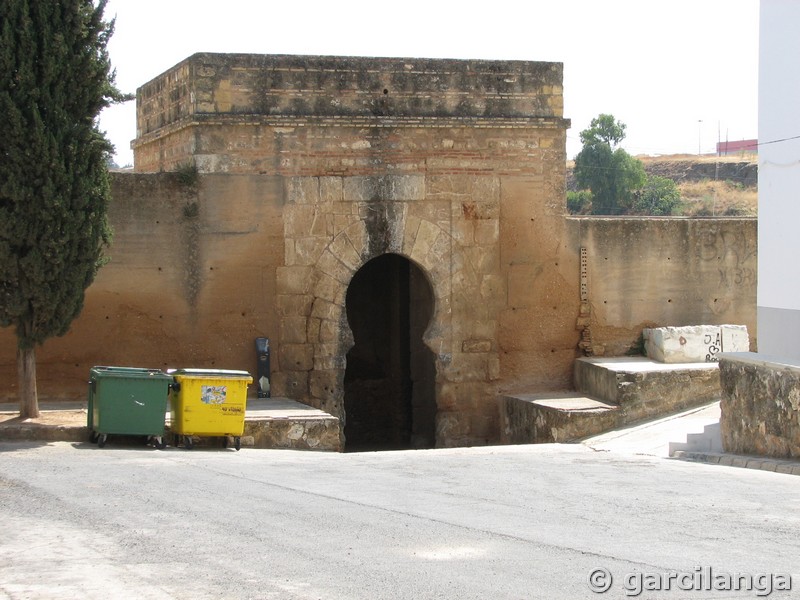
196	274
188	276
656	272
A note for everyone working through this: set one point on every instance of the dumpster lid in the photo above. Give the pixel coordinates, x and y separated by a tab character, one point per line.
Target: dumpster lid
218	373
128	372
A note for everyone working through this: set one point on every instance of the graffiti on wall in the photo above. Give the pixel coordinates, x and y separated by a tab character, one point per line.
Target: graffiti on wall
734	253
713	343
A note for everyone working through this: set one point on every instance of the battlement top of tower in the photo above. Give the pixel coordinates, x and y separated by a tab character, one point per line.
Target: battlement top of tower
337	86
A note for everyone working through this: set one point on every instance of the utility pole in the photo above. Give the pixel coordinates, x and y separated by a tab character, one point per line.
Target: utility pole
699	136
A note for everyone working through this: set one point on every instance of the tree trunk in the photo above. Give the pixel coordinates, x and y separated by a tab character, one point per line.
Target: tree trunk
26	378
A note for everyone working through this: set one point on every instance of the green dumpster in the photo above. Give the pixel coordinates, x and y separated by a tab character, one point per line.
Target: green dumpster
127	401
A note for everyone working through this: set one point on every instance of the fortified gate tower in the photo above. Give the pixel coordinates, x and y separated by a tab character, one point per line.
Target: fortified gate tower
422	263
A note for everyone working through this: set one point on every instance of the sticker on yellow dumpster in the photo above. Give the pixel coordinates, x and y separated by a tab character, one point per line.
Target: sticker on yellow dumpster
213	394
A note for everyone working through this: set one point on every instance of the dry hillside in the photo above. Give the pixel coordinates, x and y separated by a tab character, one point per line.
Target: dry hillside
709	185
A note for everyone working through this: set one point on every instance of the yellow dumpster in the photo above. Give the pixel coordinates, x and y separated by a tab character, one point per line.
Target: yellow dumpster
208	403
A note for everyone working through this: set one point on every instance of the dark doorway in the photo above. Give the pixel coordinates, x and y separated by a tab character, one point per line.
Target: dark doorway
389	383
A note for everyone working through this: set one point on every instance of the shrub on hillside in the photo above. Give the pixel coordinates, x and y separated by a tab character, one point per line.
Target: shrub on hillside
579	203
658	197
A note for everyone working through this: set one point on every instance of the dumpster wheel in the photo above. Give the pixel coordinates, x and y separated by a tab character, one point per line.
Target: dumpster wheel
188	443
159	442
101	439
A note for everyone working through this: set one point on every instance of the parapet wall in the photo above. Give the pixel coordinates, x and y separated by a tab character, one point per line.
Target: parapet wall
228	106
760	406
653	272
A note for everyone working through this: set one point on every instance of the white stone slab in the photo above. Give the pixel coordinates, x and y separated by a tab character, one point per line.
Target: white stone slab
694	343
735	338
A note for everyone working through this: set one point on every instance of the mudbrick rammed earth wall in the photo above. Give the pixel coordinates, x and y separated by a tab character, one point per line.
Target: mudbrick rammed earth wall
396	227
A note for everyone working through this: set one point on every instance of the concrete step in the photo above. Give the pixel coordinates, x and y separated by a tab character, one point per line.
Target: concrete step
644	388
554	417
710	440
610	393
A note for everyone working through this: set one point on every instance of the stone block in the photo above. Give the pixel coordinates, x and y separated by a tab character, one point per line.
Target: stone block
329	264
298	219
325	385
294	304
487	232
297	357
294	280
303	190
427	234
330	189
328	331
384	187
735	338
357	234
294	330
329	363
313	329
696	343
452	430
410	234
476	346
291	384
325	310
307	250
329	289
342	249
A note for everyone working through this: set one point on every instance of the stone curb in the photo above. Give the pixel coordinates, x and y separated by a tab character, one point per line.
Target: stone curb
286	433
44	433
776	465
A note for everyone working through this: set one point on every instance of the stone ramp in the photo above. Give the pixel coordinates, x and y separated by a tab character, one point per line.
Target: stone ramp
269	423
610	393
659	436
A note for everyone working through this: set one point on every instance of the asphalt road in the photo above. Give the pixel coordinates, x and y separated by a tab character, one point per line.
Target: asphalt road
496	523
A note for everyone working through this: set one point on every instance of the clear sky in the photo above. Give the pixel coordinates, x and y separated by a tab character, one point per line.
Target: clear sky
681	74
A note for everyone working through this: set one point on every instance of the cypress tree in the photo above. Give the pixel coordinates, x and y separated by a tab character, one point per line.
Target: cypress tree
55	78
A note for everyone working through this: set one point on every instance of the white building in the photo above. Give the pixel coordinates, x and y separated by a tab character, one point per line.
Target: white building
779	180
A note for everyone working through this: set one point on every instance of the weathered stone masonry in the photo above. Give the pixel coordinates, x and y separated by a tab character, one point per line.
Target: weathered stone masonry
445	177
411	157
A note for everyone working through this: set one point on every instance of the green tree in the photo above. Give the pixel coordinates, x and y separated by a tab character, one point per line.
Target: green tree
579	203
55	78
659	196
608	171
